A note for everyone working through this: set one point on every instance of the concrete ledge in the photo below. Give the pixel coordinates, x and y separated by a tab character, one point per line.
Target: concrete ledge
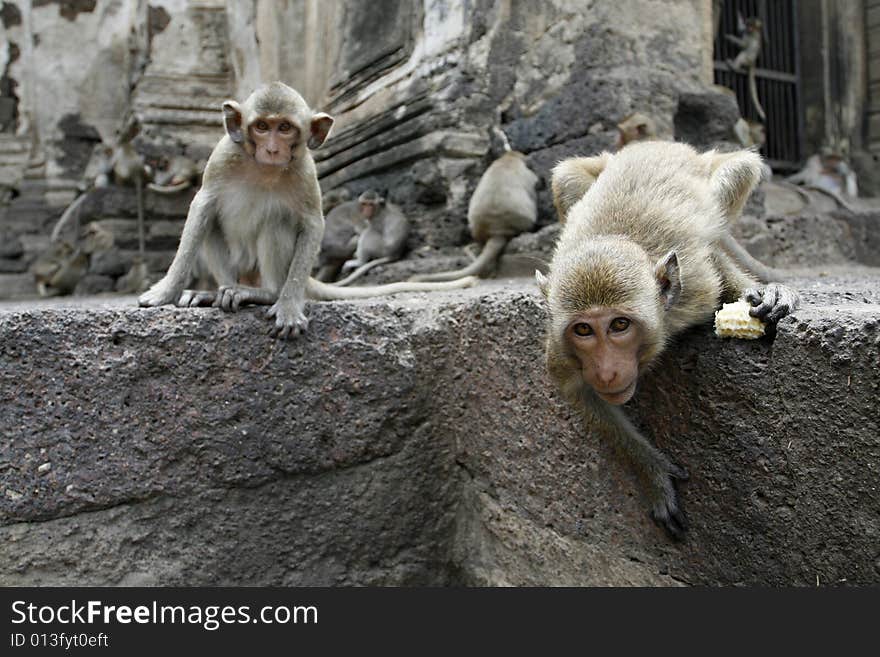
417	440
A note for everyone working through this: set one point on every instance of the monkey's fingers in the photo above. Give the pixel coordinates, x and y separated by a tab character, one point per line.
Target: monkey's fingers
667	515
763	300
194	298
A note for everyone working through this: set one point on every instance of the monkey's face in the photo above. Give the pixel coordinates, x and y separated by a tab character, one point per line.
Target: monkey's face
274	139
368	209
607	343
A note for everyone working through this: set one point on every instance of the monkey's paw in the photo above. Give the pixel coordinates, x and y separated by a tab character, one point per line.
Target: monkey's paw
158	295
772	302
665	509
194	298
289	320
230	297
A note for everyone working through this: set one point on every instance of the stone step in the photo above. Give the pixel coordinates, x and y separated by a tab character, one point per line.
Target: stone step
416	440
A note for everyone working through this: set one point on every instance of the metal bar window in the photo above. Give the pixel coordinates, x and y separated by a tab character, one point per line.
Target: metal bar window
777	75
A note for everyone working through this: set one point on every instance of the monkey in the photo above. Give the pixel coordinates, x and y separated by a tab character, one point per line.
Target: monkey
828	173
334	197
502	206
566	185
635	127
119	163
747	59
341	227
180	174
382	238
572	178
259	207
750	134
58	271
640	260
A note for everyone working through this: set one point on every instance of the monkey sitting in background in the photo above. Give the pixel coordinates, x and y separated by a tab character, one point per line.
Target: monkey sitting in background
503	206
63	265
341	227
259	207
640	259
176	175
383	234
827	171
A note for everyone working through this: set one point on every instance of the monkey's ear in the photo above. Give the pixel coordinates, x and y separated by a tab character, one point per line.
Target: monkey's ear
320	128
668	276
232	120
733	177
543	283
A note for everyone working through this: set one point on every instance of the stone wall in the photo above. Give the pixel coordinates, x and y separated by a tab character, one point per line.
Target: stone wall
418	440
415	86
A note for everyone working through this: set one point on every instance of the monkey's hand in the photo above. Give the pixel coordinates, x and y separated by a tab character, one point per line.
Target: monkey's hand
159	295
772	302
289	319
664	502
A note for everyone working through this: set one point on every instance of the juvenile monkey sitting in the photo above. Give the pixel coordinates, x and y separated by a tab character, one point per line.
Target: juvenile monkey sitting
259	208
383	233
640	259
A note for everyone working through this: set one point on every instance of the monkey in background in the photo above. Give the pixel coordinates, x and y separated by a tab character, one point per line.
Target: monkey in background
341	228
63	265
640	260
503	206
178	174
747	59
259	207
382	239
333	198
827	171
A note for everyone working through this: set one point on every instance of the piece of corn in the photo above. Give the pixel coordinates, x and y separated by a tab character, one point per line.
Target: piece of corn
734	321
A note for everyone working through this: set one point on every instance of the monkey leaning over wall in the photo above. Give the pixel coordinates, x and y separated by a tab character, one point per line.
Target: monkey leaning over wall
639	260
503	206
259	207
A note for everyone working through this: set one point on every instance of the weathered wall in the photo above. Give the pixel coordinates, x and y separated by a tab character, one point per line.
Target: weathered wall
418	440
415	86
76	69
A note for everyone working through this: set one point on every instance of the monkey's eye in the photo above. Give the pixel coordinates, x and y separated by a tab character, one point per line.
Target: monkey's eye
582	329
262	126
285	127
620	324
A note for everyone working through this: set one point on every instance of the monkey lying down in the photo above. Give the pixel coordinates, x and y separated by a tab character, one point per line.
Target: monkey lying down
641	258
260	207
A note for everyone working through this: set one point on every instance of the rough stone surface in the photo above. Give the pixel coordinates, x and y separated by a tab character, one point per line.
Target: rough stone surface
417	440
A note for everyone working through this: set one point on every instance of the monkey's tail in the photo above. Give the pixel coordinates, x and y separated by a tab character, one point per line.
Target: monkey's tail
360	271
169	189
72	212
745	259
753	92
479	267
319	291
